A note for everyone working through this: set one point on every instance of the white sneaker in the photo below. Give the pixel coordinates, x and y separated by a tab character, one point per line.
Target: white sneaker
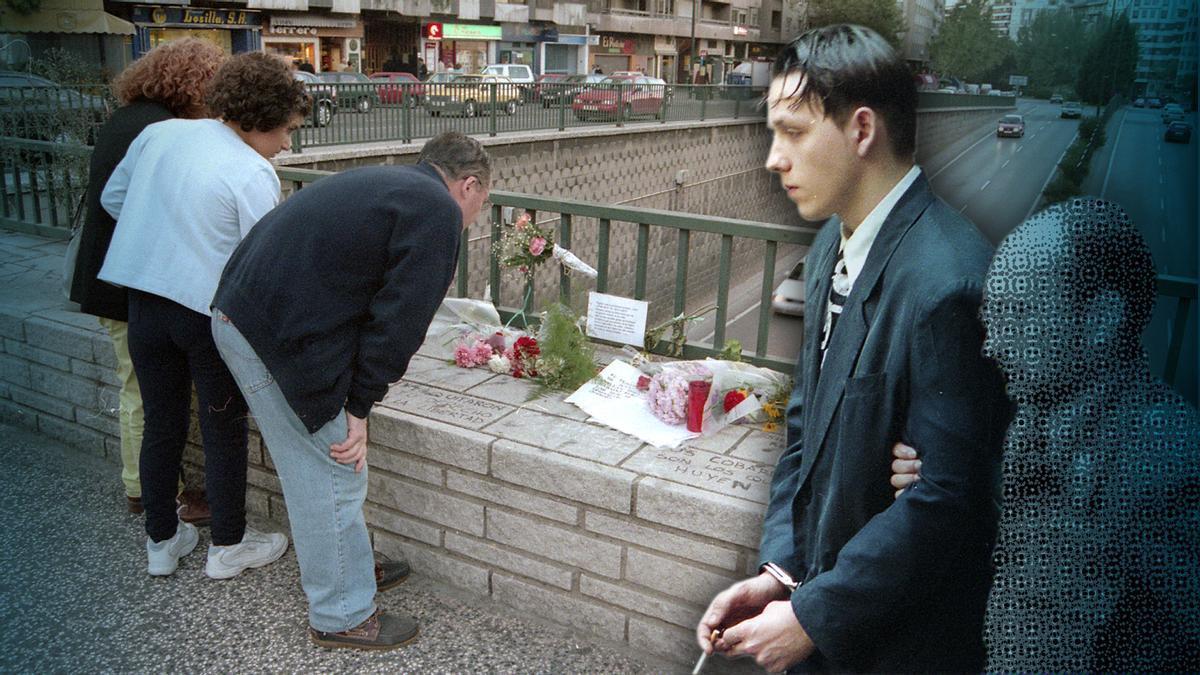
256	550
164	556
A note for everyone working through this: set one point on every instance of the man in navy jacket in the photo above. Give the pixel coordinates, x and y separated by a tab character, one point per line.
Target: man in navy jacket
892	353
319	309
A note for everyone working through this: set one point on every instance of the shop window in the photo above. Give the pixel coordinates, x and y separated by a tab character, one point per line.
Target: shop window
776	20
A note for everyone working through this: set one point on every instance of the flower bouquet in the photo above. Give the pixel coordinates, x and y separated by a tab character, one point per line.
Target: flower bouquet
709	395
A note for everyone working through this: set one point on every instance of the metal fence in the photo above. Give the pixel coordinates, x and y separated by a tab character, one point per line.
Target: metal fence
346	113
573	216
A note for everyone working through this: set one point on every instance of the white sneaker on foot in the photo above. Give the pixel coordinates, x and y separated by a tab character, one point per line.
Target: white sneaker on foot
256	550
164	556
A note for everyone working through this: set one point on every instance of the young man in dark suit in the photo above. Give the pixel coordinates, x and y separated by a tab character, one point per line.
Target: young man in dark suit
892	354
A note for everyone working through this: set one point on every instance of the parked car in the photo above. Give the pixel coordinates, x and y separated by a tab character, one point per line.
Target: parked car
36	108
1071	109
1154	102
324	98
355	90
788	297
1178	132
668	92
565	91
1056	99
1011	125
1173	112
1139	102
471	95
397	88
517	72
544	82
620	97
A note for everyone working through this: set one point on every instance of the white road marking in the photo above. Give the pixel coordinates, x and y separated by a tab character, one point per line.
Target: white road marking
1113	156
1005	163
1054	168
1019	148
1162	203
960	155
985	185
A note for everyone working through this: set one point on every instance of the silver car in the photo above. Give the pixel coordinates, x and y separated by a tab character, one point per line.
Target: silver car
789	295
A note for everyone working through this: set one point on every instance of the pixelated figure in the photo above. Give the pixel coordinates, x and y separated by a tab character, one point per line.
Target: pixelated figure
1097	557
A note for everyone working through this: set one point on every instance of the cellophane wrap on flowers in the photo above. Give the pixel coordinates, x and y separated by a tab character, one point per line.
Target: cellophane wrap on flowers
668	392
460	318
762	393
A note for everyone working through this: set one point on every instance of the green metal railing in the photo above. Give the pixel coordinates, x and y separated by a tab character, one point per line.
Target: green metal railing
41	185
573	216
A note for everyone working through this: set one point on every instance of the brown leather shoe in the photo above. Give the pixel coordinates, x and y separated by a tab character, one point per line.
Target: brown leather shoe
389	573
135	504
193	508
382	630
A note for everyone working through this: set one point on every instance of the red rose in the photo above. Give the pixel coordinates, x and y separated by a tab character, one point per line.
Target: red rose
733	398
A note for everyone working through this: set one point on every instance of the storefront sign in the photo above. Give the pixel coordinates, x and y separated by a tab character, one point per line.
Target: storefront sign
615	45
275	29
740	30
432	31
466	31
180	16
313	21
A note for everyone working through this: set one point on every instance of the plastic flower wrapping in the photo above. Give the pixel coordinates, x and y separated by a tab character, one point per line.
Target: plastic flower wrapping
712	394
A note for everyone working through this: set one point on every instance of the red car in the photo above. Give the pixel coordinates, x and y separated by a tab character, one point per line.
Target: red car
620	96
1011	125
399	88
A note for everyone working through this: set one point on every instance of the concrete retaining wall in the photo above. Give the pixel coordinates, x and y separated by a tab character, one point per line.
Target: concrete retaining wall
478	485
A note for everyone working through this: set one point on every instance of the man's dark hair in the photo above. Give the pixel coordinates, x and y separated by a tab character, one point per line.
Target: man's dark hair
1104	251
258	92
846	66
458	156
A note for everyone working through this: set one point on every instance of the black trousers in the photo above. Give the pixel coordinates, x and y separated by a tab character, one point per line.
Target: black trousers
172	348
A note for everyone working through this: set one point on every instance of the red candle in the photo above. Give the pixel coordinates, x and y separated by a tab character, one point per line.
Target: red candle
697	402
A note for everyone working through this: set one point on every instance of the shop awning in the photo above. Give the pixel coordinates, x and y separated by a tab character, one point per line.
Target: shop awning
68	16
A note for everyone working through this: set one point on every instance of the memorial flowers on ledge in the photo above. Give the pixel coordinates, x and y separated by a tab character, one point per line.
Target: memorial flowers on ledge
524	246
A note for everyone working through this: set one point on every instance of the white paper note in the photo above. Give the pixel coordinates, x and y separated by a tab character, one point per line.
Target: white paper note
617	319
612	398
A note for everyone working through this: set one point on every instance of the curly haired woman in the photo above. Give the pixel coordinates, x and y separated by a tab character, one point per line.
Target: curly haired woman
167	82
185	194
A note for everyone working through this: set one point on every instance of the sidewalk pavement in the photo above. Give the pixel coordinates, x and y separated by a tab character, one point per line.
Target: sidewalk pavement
75	597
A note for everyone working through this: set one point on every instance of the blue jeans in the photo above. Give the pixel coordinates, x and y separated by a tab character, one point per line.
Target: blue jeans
324	498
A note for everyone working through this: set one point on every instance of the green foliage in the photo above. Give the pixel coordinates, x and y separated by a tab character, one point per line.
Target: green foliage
881	16
732	351
1074	167
1111	60
966	46
67	68
1050	51
567	359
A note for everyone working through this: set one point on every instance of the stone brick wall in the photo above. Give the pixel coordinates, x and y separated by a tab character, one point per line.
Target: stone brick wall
476	481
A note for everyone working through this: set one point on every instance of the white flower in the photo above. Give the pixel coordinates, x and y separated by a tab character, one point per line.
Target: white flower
499	364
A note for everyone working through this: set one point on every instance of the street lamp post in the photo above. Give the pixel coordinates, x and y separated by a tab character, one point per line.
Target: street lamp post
692	55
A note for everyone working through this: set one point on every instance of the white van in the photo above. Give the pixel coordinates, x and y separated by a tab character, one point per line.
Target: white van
517	72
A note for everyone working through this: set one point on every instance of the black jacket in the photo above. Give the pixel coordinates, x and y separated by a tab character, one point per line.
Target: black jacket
894	585
335	288
94	296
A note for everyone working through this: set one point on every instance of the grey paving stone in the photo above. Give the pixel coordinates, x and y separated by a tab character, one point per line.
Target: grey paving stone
563	475
687	508
569	437
711	471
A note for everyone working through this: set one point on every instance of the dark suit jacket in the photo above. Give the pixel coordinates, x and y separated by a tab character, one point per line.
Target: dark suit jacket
95	296
894	585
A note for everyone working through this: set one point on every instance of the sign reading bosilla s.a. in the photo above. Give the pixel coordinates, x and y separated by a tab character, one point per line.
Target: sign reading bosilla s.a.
184	16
